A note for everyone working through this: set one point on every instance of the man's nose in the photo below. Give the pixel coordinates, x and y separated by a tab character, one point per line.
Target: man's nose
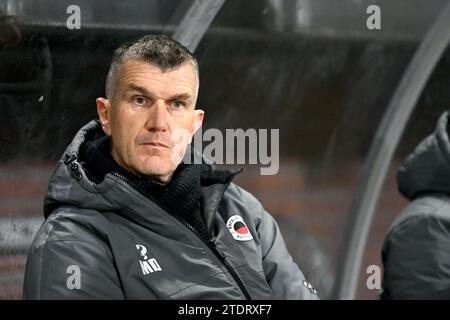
157	117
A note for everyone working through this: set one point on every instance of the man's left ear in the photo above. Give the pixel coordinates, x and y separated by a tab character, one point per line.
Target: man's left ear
198	120
103	110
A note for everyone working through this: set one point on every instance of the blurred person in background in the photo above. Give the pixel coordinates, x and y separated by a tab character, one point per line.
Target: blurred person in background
416	251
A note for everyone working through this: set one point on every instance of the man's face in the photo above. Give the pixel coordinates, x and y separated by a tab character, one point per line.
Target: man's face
151	117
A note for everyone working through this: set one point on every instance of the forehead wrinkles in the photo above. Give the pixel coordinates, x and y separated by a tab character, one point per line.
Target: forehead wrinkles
152	78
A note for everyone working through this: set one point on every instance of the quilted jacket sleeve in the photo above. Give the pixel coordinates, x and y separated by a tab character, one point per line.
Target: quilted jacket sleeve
282	273
416	260
67	262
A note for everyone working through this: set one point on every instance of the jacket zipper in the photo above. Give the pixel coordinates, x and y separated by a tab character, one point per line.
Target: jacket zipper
211	245
213	248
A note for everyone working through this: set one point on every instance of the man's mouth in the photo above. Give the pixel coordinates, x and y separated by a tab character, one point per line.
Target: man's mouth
159	144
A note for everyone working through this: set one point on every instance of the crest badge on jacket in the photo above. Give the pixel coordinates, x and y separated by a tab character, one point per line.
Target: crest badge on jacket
239	229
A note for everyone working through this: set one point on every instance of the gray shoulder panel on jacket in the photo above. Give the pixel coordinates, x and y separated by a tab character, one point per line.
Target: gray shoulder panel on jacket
69	224
429	206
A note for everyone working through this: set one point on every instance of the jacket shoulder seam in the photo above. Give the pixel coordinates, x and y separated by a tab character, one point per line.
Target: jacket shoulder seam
65	240
418	216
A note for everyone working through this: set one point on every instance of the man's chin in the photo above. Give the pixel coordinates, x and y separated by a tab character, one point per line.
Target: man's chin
161	174
158	171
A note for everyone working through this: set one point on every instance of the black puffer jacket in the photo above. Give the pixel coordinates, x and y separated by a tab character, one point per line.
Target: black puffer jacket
416	252
109	241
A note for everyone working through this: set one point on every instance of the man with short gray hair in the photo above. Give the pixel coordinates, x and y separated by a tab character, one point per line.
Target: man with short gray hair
126	218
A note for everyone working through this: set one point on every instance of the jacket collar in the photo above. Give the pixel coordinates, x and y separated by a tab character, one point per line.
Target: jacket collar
71	186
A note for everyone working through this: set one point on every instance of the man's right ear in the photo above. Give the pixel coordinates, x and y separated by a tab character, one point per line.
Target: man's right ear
104	113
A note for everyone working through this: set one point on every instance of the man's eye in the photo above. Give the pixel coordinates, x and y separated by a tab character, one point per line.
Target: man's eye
139	101
178	104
